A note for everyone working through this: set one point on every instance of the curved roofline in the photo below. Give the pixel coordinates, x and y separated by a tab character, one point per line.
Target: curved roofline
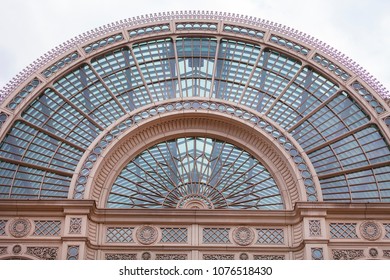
63	48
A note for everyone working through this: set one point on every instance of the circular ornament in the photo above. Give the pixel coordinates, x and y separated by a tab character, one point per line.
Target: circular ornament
243	236
16	249
19	228
373	252
147	235
146	256
244	256
370	230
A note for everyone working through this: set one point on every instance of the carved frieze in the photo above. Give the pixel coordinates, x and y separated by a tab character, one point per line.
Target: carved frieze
268	257
171	256
347	254
121	256
43	253
218	257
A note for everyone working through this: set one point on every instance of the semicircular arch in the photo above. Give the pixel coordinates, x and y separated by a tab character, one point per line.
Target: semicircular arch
321	98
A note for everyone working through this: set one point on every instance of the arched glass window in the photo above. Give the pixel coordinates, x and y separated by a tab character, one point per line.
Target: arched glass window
195	172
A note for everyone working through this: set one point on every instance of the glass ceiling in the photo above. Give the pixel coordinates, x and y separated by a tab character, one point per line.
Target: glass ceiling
40	152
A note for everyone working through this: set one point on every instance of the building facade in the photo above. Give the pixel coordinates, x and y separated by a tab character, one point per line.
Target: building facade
194	135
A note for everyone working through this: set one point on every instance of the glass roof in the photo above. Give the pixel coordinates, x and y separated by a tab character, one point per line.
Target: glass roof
173	173
44	145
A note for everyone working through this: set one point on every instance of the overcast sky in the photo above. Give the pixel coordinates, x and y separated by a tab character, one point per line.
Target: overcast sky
357	28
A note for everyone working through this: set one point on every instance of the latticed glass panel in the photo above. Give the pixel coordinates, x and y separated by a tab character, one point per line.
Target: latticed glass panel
2	226
21	182
83	88
47	228
270	77
270	236
317	254
371	185
343	230
362	148
157	64
54	114
235	64
174	235
120	73
339	116
196	58
119	235
216	235
387	230
307	92
195	172
27	144
73	253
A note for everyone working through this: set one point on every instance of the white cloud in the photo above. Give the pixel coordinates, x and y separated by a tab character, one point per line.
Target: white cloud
359	29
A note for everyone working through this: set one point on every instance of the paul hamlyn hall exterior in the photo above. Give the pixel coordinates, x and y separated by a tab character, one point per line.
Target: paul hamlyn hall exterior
194	135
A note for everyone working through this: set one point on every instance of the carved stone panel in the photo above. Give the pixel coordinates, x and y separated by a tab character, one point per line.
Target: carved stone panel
3	250
121	256
315	227
347	254
43	253
218	257
171	256
268	257
75	225
386	253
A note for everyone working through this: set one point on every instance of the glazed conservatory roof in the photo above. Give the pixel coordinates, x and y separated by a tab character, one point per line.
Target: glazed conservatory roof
52	117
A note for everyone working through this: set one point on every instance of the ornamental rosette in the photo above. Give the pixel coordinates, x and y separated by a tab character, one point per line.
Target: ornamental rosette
370	230
147	235
243	236
19	228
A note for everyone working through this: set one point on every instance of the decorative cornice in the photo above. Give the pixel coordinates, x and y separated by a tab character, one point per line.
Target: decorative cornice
92	35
